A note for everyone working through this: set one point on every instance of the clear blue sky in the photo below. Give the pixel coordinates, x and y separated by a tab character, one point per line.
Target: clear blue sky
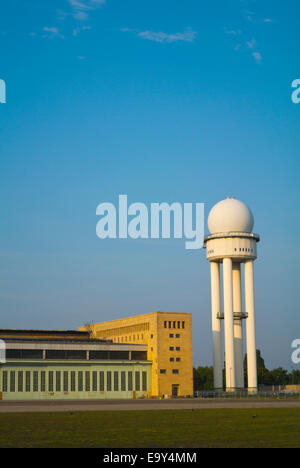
163	101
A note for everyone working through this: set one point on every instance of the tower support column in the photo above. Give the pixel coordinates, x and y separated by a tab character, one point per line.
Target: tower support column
238	327
228	325
250	327
216	325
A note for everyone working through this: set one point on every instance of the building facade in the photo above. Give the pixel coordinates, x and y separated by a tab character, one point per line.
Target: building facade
46	365
168	337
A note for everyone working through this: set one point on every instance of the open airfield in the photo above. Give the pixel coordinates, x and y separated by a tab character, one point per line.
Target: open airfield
190	423
208	424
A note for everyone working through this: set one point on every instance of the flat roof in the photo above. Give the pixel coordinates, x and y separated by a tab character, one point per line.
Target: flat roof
19	331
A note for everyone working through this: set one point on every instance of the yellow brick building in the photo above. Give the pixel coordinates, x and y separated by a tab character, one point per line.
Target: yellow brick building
168	336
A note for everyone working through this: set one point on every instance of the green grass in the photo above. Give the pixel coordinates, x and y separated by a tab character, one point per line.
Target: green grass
278	427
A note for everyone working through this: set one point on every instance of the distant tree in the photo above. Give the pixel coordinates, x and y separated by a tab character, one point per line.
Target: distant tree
203	378
280	376
294	377
259	360
264	377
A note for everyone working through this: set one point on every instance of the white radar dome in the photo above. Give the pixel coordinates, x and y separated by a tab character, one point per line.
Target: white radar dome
230	215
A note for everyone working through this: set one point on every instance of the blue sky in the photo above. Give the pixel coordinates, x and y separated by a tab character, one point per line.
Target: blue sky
163	101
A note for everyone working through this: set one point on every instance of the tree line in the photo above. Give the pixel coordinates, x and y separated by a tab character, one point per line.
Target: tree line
203	376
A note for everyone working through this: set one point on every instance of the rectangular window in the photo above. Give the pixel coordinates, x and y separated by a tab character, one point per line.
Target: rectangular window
183	324
101	381
32	354
4	381
139	355
171	348
28	381
50	381
66	381
58	381
178	324
123	381
65	354
13	354
87	381
116	381
108	378
144	381
171	335
24	354
163	371
43	381
119	355
177	335
175	371
35	381
177	348
94	381
137	381
174	324
101	355
171	359
73	381
80	381
130	383
165	324
12	381
178	359
20	381
169	324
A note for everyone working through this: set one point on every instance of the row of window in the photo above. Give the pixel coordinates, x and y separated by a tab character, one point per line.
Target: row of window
122	333
176	324
75	354
178	359
164	371
129	339
20	381
241	250
171	335
172	348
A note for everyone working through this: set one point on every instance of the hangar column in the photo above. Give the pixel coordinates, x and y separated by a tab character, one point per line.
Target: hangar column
216	325
228	324
250	327
238	327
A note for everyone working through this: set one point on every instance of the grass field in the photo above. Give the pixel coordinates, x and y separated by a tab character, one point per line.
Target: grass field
279	427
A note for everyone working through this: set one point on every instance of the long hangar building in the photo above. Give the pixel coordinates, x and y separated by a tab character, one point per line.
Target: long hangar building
138	357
